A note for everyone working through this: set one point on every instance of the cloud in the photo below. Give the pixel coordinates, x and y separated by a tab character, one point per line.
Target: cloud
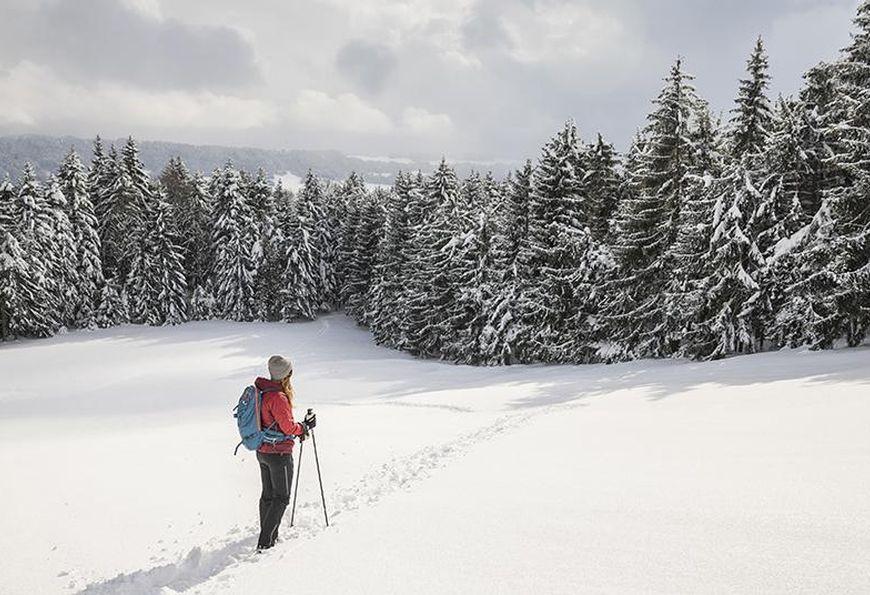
111	41
150	8
345	112
420	121
557	31
368	65
32	95
485	78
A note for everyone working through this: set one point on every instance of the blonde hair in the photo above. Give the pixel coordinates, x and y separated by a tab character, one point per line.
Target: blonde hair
287	388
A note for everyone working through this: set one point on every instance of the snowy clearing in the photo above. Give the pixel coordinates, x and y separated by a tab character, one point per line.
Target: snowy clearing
744	475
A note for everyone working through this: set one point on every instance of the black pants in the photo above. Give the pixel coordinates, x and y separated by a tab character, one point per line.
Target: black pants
276	471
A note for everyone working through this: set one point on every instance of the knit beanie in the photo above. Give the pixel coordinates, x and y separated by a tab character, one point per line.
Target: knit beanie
279	367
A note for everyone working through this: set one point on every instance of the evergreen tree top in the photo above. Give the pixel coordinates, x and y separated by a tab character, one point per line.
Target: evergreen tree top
354	184
312	182
443	186
177	167
260	182
72	164
28	182
98	148
669	125
859	48
676	90
752	114
7	196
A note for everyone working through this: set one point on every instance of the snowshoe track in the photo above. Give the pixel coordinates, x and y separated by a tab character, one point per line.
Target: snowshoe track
201	565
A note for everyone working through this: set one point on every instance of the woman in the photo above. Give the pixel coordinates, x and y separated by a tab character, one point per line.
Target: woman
276	460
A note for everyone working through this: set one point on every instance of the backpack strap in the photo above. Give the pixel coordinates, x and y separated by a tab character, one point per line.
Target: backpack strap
258	406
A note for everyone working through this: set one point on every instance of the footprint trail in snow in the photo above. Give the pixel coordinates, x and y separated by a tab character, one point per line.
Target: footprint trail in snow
201	565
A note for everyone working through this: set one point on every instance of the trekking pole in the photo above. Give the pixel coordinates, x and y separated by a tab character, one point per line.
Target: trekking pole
296	487
319	479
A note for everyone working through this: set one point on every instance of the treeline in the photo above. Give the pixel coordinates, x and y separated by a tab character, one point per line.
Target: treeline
706	239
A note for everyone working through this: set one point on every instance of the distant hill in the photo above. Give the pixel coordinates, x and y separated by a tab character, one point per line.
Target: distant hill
46	153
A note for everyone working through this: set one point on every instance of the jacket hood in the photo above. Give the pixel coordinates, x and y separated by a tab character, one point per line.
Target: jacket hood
266	385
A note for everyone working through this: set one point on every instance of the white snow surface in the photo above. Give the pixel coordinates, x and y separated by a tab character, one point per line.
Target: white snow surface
746	475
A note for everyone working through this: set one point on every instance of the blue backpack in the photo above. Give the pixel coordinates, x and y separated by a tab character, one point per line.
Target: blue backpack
247	414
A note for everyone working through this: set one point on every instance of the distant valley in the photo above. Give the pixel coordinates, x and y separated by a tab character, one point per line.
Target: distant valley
46	153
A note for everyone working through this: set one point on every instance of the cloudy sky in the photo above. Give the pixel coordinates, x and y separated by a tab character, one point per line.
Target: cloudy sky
469	78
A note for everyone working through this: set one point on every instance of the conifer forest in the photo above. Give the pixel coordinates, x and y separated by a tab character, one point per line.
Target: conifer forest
712	235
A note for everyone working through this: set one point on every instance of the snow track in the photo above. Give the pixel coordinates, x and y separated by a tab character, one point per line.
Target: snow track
201	565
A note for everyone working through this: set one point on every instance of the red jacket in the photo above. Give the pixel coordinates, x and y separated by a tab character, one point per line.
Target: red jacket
276	409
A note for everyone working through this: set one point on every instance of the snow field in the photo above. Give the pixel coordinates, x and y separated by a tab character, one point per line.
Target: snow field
745	475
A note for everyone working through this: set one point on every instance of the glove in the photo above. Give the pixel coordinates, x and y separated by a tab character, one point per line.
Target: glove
310	420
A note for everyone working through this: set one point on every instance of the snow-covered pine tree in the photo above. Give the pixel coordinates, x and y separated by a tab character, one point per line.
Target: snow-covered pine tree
259	196
826	262
302	279
463	309
360	271
175	179
335	212
89	267
818	115
132	164
21	312
433	283
795	262
515	225
601	185
18	288
35	312
120	208
112	218
781	215
7	204
261	199
353	193
659	169
686	289
62	257
156	285
841	305
187	194
311	208
553	269
476	272
269	285
737	305
734	315
386	300
233	237
99	177
168	259
498	339
752	119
